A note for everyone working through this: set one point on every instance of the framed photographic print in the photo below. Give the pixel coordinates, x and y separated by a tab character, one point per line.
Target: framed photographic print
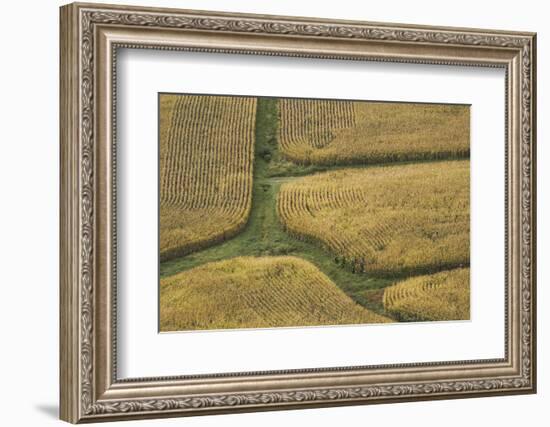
264	212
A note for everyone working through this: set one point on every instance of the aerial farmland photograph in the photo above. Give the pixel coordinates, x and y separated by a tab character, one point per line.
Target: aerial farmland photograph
292	212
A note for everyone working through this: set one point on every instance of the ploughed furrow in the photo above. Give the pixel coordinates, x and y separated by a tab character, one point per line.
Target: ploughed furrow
399	219
256	292
206	157
440	296
331	132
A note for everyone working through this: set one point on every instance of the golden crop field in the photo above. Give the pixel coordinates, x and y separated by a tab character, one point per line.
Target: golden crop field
206	155
330	132
312	123
279	212
256	292
400	219
440	296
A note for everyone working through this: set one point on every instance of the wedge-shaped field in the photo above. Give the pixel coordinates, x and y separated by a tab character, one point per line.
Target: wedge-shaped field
440	296
206	155
256	292
330	132
399	219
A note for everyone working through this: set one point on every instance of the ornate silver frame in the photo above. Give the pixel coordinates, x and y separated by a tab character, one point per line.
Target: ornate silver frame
90	36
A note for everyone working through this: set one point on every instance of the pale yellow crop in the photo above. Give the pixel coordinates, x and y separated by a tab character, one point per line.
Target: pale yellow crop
256	292
206	157
330	132
440	296
403	219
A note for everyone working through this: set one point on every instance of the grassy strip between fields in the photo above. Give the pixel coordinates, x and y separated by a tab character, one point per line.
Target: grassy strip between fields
264	235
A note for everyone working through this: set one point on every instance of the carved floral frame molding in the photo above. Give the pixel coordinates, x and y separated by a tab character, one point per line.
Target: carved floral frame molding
90	390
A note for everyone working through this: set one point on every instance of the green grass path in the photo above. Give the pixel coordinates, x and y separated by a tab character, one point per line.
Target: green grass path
264	235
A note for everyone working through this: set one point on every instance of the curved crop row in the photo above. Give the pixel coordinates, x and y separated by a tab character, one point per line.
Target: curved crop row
307	125
330	132
249	292
440	296
395	219
206	157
